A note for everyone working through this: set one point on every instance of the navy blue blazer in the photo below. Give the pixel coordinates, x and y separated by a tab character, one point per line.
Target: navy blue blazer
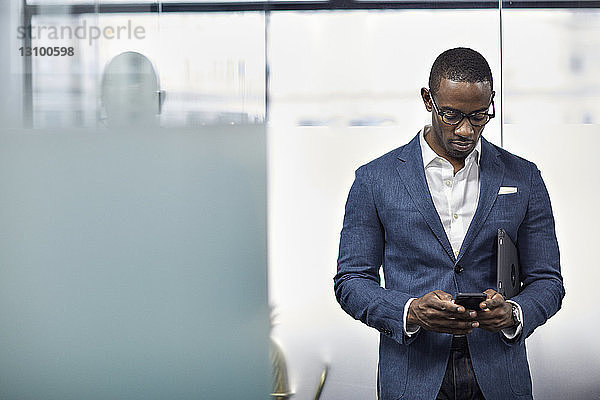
391	222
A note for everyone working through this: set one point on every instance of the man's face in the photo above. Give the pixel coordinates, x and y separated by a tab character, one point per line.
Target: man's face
455	142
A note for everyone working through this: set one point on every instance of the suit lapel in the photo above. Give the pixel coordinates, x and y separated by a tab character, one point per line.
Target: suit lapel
491	173
412	173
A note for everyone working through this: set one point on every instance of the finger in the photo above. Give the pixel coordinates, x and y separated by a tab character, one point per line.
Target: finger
442	301
440	294
502	315
488	315
489	327
494	299
436	320
489	294
496	322
428	314
459	308
465	316
494	302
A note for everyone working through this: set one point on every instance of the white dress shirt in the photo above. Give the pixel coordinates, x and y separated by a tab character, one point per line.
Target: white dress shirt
455	197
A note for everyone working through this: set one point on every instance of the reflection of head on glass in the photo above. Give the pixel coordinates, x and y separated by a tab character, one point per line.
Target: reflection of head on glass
428	213
130	91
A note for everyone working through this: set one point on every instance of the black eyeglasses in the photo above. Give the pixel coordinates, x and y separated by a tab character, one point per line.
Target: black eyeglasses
455	117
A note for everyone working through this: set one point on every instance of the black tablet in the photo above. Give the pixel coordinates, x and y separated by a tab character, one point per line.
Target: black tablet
509	282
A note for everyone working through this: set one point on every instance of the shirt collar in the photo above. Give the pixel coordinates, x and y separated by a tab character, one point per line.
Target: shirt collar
429	156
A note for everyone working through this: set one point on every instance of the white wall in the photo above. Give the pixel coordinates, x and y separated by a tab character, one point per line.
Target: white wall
310	172
564	353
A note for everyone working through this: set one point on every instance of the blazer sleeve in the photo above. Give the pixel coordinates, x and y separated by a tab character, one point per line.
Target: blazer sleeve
543	290
357	282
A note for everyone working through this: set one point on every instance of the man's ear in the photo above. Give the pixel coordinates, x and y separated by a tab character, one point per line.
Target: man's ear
426	96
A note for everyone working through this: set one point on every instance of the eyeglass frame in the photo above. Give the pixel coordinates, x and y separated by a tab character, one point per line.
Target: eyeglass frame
462	114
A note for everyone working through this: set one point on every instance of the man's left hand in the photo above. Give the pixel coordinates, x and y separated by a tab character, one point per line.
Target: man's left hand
496	313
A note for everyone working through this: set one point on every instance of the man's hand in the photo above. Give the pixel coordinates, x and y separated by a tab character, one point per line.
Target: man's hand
496	313
436	311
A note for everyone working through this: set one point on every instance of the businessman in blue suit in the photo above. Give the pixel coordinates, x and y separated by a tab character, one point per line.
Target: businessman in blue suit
427	213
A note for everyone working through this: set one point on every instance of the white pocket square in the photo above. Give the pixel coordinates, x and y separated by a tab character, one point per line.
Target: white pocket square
507	190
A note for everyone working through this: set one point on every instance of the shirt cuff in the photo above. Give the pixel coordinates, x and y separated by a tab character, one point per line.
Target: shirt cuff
409	329
514	331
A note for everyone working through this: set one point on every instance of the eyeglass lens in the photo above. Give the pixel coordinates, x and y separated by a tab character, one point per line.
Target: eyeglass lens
454	118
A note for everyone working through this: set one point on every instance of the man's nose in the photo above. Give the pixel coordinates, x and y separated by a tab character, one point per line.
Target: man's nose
465	129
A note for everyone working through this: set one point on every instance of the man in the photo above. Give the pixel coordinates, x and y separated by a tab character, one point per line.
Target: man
428	213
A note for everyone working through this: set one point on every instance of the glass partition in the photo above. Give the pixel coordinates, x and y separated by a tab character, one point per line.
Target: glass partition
552	103
133	226
344	89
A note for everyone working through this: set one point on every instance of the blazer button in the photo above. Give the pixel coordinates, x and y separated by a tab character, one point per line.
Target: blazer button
458	269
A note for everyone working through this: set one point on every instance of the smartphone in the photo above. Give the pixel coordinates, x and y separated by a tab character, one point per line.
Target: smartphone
470	301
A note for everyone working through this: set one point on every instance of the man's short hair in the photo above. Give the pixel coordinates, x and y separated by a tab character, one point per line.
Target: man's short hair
461	65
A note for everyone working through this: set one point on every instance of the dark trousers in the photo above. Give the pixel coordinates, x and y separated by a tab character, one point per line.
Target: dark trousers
459	380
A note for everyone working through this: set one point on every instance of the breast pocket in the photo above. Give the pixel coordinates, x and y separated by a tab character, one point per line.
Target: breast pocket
508	208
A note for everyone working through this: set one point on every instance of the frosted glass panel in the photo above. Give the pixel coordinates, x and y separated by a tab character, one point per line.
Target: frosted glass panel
133	265
207	73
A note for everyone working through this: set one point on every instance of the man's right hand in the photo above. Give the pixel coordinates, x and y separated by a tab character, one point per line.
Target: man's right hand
436	312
